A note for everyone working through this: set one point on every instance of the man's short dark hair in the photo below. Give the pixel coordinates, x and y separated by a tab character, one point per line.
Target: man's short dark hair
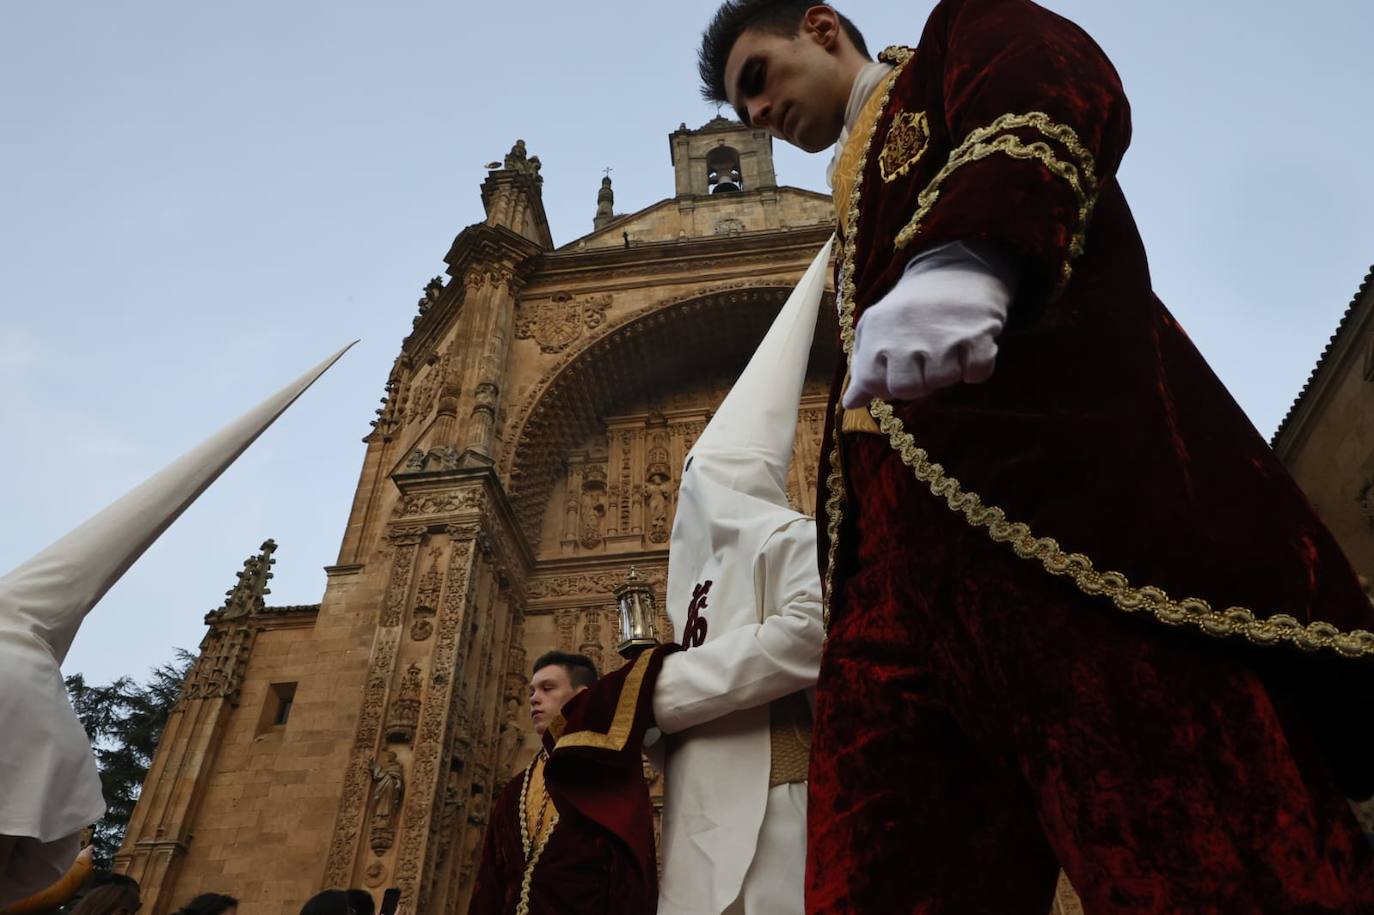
327	902
209	904
773	17
581	670
105	878
361	902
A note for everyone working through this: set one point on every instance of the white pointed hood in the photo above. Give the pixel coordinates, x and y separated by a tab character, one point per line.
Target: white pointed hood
733	495
51	789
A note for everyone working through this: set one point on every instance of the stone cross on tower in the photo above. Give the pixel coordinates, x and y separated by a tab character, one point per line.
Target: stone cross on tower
605	202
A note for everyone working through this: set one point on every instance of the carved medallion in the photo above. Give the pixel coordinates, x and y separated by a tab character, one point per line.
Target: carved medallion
558	323
907	140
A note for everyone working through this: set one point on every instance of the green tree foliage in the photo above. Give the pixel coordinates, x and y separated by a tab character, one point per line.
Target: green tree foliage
124	721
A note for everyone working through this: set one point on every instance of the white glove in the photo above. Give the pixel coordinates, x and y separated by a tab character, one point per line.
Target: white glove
936	327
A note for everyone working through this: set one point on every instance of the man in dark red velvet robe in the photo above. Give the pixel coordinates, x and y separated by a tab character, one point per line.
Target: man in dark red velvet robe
573	834
1078	614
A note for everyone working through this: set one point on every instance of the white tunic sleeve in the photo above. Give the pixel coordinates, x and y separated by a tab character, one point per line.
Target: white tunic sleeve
759	662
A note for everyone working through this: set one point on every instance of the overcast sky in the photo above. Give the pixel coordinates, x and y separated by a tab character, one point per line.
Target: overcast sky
198	200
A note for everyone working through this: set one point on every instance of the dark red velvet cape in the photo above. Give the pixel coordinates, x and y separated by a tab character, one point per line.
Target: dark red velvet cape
1102	431
599	859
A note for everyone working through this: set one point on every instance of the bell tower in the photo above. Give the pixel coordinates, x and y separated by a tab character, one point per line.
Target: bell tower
721	156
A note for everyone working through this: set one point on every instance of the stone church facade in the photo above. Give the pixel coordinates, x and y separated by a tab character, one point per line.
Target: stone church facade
526	455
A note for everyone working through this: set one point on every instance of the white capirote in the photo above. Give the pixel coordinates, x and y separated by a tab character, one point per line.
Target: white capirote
756	635
49	788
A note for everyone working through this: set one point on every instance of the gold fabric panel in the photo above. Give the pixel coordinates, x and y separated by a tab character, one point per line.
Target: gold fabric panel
534	838
853	155
621	723
538	805
789	733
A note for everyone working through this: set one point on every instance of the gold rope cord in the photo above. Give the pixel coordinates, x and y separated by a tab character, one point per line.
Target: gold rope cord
1079	175
834	481
533	848
1078	568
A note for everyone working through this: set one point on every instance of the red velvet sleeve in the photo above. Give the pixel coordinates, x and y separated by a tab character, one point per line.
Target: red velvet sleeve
1036	119
595	752
495	874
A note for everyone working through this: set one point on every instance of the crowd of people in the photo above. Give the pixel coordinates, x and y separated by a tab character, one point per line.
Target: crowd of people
119	894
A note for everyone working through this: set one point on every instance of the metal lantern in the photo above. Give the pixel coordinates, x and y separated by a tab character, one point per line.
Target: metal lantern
635	599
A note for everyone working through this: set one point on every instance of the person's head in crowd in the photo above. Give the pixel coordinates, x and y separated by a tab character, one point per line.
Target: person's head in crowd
104	878
361	902
330	902
210	904
110	898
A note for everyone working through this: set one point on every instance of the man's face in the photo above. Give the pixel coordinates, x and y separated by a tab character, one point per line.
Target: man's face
549	689
793	87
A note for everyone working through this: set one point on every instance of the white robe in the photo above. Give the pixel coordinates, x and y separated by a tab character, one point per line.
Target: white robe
729	843
712	702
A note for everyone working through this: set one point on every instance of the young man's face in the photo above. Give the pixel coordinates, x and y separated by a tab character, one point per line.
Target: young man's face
550	687
795	87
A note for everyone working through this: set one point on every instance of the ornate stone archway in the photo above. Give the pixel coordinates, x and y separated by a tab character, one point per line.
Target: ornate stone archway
706	333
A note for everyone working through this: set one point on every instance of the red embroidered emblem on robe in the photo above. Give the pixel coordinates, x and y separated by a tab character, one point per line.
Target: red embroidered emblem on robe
694	632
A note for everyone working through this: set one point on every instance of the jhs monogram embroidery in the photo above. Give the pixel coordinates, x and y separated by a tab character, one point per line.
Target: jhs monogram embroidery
694	632
907	140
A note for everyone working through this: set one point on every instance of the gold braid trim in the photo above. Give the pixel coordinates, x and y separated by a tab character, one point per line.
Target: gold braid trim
834	481
1190	611
622	722
1079	173
533	849
834	511
1078	568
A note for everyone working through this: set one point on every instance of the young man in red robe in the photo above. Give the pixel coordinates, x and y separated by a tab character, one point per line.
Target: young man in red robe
573	834
1078	614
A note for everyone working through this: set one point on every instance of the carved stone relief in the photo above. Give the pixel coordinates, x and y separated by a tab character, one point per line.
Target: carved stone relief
593	507
600	585
430	761
659	491
559	322
565	622
405	708
416	504
388	791
1366	502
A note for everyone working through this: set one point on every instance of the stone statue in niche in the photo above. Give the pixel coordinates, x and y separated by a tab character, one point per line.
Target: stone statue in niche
658	490
593	515
423	626
658	499
509	747
388	791
405	709
453	799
